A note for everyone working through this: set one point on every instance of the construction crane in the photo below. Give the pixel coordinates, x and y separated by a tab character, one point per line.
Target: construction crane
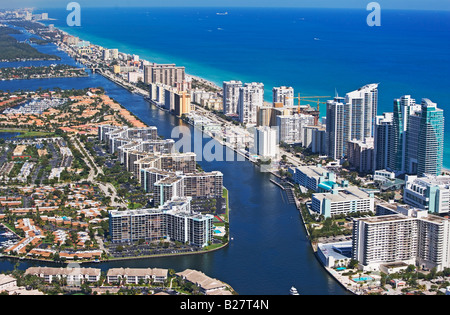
318	103
308	99
316	113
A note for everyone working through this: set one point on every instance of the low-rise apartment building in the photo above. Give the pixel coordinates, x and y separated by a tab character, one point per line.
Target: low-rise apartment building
341	201
136	275
315	178
428	192
70	274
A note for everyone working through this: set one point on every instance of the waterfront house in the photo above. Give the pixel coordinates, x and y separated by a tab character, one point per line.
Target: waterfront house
206	284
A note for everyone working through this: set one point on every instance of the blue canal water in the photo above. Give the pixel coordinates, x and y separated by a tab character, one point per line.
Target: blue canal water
269	252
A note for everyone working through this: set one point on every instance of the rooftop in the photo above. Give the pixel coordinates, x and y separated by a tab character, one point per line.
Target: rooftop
385	218
344	194
312	171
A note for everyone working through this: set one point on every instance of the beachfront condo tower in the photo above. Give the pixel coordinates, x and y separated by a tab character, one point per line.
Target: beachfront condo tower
351	118
284	95
362	108
430	151
382	148
336	135
404	108
416	137
231	97
251	97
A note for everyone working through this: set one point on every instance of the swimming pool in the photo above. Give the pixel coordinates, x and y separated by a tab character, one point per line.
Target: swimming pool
360	279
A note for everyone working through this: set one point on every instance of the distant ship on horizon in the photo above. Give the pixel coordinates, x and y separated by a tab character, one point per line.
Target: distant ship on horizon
222	13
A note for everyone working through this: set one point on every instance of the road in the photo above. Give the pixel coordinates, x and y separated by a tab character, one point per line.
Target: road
107	188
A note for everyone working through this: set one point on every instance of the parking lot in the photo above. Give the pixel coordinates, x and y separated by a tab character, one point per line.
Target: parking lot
148	249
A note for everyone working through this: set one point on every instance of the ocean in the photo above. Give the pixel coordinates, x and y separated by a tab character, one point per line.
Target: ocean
319	52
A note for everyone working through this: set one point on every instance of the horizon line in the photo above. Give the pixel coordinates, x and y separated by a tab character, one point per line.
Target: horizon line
238	7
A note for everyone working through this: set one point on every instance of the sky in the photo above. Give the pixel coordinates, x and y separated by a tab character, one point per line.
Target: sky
386	4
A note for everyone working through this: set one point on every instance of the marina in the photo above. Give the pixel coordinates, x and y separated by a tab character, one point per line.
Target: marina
36	106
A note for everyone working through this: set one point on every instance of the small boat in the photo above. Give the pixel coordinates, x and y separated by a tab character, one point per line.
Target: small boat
294	291
222	13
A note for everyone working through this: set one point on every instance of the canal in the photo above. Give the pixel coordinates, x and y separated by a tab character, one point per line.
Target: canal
269	251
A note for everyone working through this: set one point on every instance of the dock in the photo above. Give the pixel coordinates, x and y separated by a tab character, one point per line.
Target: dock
288	189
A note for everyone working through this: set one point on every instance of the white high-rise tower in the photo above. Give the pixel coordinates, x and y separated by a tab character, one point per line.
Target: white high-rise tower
251	97
231	97
284	95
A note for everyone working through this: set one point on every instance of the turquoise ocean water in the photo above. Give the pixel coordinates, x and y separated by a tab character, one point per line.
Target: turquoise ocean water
316	51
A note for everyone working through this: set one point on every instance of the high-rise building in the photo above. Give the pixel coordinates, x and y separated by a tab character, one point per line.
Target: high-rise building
360	154
404	107
315	139
384	239
336	131
410	140
265	142
351	118
291	127
106	54
251	97
404	236
182	103
430	151
169	99
174	220
167	189
203	185
231	97
114	53
168	74
363	105
284	95
382	148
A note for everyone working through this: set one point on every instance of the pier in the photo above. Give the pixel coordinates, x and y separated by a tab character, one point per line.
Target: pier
288	189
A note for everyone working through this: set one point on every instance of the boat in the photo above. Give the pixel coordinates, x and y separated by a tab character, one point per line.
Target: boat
222	13
294	291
